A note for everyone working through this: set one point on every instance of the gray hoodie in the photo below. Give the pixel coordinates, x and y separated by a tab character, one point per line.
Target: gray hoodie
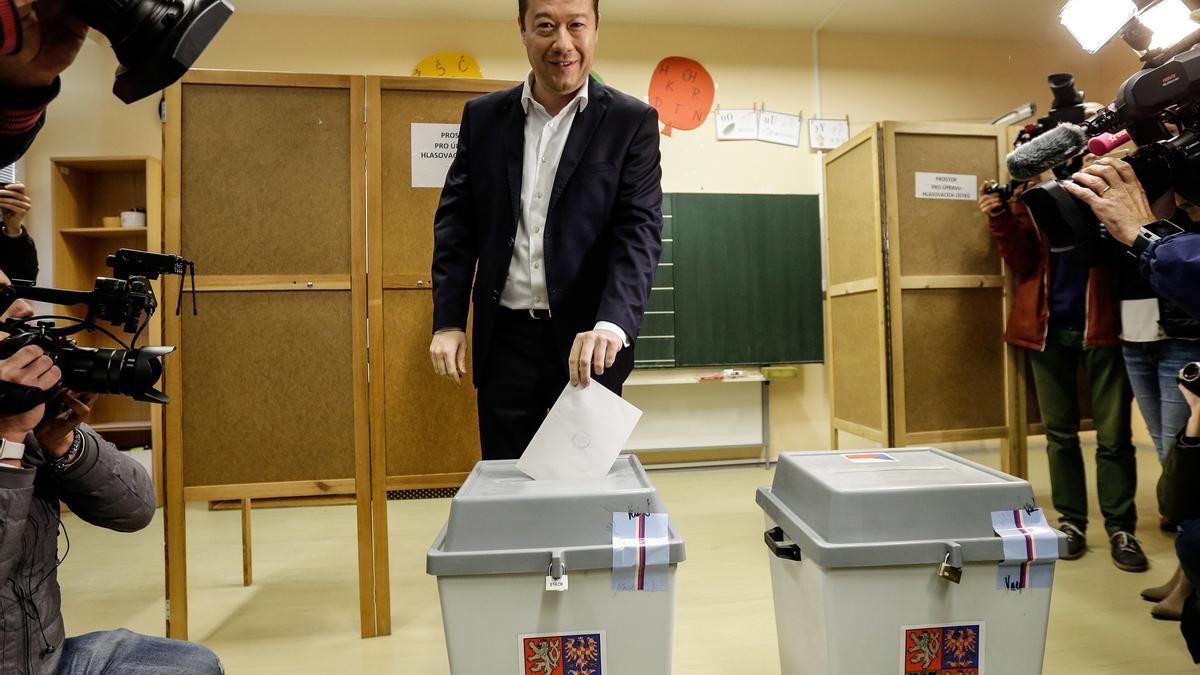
103	487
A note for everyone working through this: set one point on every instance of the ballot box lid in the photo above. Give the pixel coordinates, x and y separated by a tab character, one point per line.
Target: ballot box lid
502	521
890	506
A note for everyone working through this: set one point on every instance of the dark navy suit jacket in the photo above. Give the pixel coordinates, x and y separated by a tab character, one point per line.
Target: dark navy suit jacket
603	232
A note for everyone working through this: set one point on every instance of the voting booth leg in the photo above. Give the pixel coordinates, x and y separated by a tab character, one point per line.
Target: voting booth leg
247	571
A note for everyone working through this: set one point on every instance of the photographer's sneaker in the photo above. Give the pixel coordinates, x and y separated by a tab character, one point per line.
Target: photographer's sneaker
1127	552
1076	540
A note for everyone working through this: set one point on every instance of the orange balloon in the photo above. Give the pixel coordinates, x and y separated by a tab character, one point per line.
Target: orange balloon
682	91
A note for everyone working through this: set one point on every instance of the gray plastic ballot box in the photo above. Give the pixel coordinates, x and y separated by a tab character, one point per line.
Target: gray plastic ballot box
863	547
510	539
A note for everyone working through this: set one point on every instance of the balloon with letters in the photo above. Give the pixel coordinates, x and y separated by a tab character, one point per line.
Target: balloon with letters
682	91
448	64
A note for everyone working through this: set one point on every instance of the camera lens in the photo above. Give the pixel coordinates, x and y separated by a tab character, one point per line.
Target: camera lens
1190	372
155	41
132	373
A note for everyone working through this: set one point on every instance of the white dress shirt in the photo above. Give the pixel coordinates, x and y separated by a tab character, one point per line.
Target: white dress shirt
545	138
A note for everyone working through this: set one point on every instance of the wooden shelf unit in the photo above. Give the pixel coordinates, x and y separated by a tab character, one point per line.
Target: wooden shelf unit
83	191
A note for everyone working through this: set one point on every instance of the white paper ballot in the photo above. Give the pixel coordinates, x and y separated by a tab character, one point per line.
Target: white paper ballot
583	434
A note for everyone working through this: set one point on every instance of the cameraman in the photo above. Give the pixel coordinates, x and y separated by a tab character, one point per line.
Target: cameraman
44	460
18	254
1186	509
1063	313
1172	264
38	40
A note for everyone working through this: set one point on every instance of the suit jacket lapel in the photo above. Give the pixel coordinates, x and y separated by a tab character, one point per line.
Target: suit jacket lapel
582	130
513	132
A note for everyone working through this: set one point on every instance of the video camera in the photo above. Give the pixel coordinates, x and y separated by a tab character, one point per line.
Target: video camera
1065	108
1147	101
126	299
155	41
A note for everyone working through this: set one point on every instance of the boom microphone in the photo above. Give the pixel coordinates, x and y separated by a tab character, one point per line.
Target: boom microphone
1046	151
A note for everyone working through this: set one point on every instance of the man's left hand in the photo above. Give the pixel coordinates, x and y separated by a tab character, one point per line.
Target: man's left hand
594	349
1115	195
55	434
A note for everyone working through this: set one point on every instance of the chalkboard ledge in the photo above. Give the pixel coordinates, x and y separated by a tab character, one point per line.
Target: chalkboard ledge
652	377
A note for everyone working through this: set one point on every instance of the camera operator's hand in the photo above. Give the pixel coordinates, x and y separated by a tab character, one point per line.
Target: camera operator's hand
1115	195
55	434
990	204
31	367
1193	401
51	39
14	206
448	351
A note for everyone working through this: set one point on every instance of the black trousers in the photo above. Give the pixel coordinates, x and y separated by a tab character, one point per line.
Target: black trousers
526	372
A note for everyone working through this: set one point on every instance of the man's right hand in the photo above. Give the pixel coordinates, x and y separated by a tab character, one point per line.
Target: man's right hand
448	351
31	367
990	204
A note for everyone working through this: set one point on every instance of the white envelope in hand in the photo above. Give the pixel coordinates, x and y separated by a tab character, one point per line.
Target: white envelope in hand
583	434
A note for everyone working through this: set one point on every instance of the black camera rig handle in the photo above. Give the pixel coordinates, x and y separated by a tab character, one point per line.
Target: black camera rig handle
25	290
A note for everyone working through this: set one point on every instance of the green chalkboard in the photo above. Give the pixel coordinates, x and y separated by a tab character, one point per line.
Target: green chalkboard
747	279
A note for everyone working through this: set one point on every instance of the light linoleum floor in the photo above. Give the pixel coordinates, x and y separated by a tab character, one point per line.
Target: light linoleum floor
301	614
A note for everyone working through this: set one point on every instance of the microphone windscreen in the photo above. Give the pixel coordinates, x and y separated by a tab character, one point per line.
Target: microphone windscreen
1046	151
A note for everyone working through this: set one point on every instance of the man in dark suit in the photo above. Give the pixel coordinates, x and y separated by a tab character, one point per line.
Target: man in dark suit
553	208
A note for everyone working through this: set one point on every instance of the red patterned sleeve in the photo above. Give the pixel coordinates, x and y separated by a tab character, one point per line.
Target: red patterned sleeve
10	28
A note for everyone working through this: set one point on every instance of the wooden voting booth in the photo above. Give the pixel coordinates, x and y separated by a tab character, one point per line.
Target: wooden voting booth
916	303
269	181
424	429
264	192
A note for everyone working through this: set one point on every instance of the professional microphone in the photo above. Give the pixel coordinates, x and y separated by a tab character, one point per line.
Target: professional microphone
1046	151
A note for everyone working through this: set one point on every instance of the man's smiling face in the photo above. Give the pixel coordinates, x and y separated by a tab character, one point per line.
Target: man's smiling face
560	38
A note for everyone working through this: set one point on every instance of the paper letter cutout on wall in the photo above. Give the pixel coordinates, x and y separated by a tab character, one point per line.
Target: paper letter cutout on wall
448	64
682	91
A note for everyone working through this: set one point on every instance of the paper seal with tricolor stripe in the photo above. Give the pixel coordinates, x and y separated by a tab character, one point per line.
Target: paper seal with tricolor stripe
641	552
1030	549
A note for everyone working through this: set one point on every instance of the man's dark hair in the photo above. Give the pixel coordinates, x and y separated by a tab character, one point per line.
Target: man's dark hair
523	5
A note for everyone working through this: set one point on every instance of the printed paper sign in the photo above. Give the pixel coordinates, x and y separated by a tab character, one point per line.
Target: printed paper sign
434	147
869	457
641	552
781	128
827	134
943	649
1030	548
578	653
737	125
946	186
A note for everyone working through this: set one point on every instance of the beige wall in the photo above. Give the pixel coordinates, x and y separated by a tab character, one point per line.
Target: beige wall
867	77
1117	63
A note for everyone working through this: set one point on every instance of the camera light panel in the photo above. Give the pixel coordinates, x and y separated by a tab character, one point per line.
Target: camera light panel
1094	22
1169	21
